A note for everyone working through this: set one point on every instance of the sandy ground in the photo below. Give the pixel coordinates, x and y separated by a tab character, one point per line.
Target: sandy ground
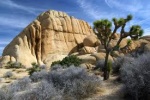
110	90
17	74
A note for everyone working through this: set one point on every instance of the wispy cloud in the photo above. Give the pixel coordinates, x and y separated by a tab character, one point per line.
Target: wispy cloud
108	4
88	8
14	22
93	10
119	8
125	5
12	4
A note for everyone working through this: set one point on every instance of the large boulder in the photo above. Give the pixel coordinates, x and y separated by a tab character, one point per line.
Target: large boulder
52	33
90	41
87	50
101	56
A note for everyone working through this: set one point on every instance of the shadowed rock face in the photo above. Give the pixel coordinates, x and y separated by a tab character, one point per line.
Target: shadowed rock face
48	37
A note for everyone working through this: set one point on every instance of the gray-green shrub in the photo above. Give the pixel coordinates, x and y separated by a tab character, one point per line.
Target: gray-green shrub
72	83
136	77
119	62
8	74
100	65
11	64
41	91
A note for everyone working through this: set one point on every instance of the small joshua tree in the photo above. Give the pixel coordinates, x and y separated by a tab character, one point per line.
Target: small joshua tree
105	33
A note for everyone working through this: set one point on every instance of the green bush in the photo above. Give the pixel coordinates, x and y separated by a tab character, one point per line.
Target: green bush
56	62
11	64
68	61
35	68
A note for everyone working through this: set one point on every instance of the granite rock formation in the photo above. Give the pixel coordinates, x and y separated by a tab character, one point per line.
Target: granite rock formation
52	36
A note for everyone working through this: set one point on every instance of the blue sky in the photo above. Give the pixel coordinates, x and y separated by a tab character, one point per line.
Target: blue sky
15	15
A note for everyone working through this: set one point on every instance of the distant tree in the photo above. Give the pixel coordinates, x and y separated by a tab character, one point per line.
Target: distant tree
104	31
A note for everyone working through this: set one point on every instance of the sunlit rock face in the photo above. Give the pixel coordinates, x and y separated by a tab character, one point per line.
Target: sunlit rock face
52	36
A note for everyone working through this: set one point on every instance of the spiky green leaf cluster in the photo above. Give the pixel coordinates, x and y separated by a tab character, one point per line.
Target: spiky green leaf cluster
119	22
129	41
103	27
129	17
136	31
103	24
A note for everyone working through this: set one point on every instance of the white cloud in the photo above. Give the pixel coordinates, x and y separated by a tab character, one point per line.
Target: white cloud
12	4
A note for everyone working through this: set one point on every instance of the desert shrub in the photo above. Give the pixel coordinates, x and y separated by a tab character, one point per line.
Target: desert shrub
42	91
119	62
38	76
8	74
8	92
19	85
11	64
68	61
56	63
100	65
35	68
3	95
73	83
56	67
43	67
136	77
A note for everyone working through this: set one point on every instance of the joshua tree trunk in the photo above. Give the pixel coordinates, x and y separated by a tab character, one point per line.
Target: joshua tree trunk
106	72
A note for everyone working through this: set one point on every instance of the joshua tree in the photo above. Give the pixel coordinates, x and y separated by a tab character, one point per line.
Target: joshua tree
104	31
